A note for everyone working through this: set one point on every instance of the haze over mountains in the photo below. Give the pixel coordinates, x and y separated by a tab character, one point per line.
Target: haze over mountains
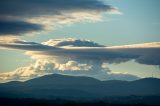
78	87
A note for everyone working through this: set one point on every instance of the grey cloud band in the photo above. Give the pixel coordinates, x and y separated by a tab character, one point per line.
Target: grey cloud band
144	55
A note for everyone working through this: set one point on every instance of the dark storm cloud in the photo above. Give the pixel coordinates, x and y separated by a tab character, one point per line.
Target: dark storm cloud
23	14
8	27
48	7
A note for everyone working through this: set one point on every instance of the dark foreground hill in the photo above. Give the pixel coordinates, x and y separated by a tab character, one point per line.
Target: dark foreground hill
51	87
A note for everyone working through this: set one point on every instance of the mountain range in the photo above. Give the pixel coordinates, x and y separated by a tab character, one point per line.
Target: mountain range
78	87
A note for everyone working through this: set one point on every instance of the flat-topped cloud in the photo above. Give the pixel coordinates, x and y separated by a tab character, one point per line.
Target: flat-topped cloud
146	54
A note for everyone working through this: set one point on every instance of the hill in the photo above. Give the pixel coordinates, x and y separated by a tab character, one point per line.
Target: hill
78	87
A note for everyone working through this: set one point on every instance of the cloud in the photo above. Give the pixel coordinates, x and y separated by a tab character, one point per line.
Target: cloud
9	27
44	67
149	56
92	53
33	8
84	58
69	49
142	45
71	42
148	52
15	43
115	76
47	15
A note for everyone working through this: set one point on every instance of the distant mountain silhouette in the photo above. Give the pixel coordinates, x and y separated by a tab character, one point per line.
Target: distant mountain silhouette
73	87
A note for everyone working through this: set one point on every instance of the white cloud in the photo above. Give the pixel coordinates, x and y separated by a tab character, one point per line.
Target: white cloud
142	45
72	65
44	67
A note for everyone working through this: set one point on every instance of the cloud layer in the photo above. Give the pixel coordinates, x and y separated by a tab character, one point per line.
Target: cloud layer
35	15
79	57
147	53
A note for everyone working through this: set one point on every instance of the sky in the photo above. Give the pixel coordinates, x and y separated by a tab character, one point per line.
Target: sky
27	27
